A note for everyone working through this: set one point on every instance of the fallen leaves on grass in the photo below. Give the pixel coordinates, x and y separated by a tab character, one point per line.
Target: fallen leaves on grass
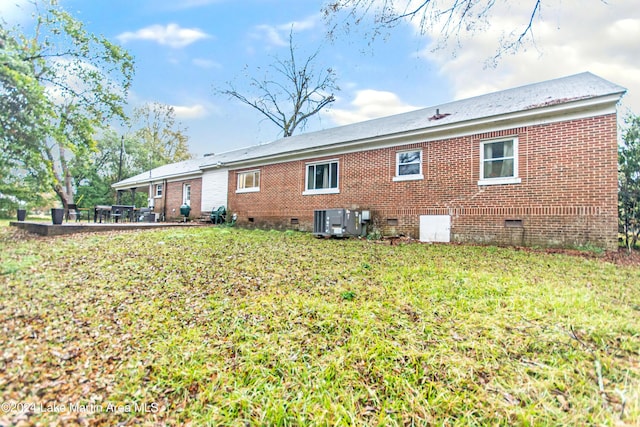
233	327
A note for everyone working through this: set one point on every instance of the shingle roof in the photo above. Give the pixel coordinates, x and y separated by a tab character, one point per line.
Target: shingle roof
173	169
531	97
186	167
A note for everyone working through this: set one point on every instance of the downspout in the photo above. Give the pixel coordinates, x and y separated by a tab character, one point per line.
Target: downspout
164	197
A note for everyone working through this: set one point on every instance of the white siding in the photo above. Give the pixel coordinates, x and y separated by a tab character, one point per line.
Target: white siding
214	189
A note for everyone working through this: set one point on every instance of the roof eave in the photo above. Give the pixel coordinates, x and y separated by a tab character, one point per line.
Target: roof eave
593	106
136	184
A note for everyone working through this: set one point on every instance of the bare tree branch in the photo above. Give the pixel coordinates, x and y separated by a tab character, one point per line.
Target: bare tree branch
516	44
289	101
446	18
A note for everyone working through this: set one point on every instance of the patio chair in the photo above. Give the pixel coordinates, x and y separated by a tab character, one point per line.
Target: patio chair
73	211
101	212
128	214
219	215
116	214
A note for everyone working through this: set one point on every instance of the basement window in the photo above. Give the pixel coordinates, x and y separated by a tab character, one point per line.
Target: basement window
513	223
392	221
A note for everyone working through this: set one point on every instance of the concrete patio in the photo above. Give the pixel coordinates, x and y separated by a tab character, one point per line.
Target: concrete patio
49	229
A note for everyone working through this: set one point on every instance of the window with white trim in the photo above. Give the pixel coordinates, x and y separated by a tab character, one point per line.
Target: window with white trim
186	194
248	182
408	165
499	162
322	178
158	190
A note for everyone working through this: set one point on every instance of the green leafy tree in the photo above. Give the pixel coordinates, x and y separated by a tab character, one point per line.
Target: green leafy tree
18	189
629	181
161	137
59	85
94	174
23	118
158	140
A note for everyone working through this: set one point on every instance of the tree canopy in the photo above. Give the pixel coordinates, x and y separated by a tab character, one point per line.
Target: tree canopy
629	180
156	138
59	85
161	137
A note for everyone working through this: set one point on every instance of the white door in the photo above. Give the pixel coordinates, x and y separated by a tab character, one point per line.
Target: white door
435	228
186	194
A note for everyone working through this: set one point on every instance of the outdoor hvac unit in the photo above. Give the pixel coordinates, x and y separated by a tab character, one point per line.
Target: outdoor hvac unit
340	223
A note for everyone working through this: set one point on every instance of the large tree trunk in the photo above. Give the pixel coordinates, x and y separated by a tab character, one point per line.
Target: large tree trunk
62	179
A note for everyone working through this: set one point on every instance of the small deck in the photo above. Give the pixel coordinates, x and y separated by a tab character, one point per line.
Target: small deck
49	229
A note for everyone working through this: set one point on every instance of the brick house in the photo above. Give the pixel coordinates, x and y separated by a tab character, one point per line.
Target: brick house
169	187
200	183
534	165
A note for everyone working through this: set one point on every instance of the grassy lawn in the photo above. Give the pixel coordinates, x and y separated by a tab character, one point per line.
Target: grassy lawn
32	218
219	326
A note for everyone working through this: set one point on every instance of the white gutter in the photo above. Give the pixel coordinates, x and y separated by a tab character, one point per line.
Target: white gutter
548	114
122	185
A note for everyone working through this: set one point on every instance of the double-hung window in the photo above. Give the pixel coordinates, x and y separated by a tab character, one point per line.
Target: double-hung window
248	182
408	165
322	178
158	190
499	162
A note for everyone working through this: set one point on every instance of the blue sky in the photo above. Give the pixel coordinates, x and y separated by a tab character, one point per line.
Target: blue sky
183	49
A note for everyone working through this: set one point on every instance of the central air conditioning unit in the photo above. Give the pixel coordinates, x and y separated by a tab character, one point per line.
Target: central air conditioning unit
340	223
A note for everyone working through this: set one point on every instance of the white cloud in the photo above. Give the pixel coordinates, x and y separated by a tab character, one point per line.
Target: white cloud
170	35
308	23
369	104
190	112
15	12
206	63
277	35
270	35
571	37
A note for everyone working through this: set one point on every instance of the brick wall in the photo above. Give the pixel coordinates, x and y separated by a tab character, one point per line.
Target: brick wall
173	198
567	195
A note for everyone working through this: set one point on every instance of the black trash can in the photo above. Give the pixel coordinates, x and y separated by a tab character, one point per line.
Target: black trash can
22	214
57	215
